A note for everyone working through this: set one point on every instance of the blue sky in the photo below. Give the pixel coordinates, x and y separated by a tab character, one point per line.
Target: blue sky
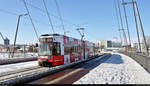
96	16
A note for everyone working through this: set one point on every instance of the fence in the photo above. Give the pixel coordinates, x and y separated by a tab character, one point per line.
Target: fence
4	55
142	59
22	51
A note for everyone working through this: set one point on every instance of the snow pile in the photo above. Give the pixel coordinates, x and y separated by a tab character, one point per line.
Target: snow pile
118	69
12	67
18	57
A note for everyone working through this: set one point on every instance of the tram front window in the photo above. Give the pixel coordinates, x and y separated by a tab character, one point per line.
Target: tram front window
45	49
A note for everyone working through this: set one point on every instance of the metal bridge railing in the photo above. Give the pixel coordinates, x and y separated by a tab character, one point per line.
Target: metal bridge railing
141	58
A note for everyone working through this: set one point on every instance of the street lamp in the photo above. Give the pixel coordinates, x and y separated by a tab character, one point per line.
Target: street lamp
19	16
135	7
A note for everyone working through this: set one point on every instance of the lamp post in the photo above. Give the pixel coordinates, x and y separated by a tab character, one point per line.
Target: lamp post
18	22
140	22
82	35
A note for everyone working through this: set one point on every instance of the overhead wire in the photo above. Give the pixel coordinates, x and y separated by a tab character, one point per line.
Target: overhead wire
26	4
124	34
35	7
49	18
60	16
41	10
15	14
127	25
119	27
30	18
8	12
136	23
90	35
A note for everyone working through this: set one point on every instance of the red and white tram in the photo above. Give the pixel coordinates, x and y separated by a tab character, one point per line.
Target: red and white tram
56	49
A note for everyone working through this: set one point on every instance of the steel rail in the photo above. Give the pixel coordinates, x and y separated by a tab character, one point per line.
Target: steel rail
25	76
20	74
18	71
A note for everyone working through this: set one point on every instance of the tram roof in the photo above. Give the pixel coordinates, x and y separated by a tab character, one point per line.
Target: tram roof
50	35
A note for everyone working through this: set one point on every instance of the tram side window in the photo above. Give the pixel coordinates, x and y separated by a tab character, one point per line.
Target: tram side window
79	49
76	49
71	50
56	48
67	50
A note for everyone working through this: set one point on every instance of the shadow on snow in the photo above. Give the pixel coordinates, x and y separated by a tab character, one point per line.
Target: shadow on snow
115	59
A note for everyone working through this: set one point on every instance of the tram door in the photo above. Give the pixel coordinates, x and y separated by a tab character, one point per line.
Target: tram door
84	49
66	59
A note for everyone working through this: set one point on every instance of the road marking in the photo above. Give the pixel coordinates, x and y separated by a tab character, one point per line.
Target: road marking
61	78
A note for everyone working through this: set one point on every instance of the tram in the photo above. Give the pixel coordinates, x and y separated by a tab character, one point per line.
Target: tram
57	49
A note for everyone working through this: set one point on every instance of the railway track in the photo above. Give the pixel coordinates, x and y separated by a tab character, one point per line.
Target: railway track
30	74
16	60
70	75
13	77
19	73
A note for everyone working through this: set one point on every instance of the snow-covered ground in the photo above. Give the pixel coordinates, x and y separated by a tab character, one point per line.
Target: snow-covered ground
12	67
118	69
17	55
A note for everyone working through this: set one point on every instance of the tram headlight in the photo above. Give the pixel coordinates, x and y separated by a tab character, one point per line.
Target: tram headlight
43	56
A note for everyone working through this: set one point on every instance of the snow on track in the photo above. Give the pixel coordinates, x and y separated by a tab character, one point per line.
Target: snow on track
12	67
118	69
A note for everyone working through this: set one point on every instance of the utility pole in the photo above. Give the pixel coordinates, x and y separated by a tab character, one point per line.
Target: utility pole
17	32
136	12
116	10
2	36
120	36
127	23
124	34
137	31
82	35
49	18
139	43
141	27
60	16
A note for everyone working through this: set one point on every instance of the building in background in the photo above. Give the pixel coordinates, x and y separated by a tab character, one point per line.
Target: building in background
136	47
6	41
108	45
19	48
103	44
116	44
